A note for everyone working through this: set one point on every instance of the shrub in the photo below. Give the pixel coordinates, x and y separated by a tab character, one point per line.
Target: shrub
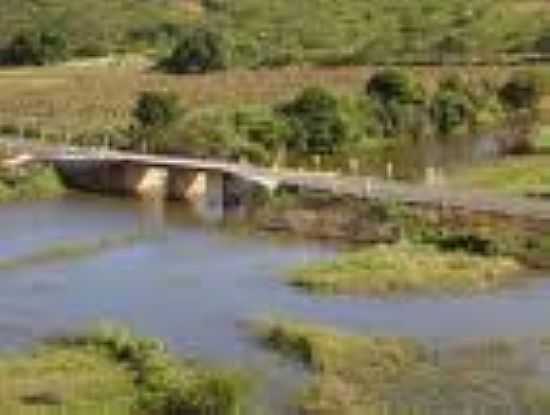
522	91
156	109
392	85
265	132
155	113
400	103
199	50
317	121
208	132
452	106
36	49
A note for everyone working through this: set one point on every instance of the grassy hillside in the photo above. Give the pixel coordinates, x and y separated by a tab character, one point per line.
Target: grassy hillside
359	31
274	32
103	24
83	99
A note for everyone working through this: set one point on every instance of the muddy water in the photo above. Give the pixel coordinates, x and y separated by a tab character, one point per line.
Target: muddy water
193	283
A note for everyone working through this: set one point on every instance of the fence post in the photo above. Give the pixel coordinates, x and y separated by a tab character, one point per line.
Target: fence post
389	170
317	162
353	164
430	176
21	128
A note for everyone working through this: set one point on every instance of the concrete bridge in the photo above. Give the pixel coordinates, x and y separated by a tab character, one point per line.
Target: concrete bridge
207	183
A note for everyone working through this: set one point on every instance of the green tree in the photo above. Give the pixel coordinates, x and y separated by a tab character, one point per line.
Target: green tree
452	106
200	50
265	132
393	85
317	121
155	113
400	101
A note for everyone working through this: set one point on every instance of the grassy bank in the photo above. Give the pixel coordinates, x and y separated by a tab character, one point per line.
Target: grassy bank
384	375
82	381
110	371
515	175
36	183
386	270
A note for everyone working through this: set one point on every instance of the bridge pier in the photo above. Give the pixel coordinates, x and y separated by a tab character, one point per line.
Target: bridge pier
145	181
204	190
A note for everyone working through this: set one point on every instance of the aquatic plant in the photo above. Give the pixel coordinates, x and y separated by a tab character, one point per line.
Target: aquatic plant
109	366
375	375
405	268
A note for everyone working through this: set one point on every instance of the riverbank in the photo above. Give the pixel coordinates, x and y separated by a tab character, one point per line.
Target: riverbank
360	374
405	268
519	175
111	371
30	184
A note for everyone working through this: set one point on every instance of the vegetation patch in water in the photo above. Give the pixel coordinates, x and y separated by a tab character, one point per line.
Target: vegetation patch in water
385	375
35	183
404	268
72	250
113	372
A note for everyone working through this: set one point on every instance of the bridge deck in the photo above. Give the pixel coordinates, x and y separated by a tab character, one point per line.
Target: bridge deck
359	187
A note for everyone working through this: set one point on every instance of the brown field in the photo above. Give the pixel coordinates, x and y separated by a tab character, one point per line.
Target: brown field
88	97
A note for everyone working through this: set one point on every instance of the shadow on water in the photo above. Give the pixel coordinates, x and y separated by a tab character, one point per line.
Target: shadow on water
194	285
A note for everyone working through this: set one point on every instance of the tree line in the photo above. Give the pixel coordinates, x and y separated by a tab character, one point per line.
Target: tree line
394	104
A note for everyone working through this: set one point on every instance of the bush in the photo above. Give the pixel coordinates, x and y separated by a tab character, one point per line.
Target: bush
392	85
208	132
265	132
452	106
318	123
155	113
522	91
199	50
35	49
400	103
156	109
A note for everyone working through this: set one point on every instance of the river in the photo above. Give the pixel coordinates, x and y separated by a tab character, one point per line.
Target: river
193	283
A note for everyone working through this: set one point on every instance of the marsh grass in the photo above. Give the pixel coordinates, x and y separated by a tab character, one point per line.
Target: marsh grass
405	268
374	375
111	371
54	378
73	251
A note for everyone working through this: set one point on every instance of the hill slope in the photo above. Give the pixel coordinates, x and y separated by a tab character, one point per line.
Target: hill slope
272	32
101	24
